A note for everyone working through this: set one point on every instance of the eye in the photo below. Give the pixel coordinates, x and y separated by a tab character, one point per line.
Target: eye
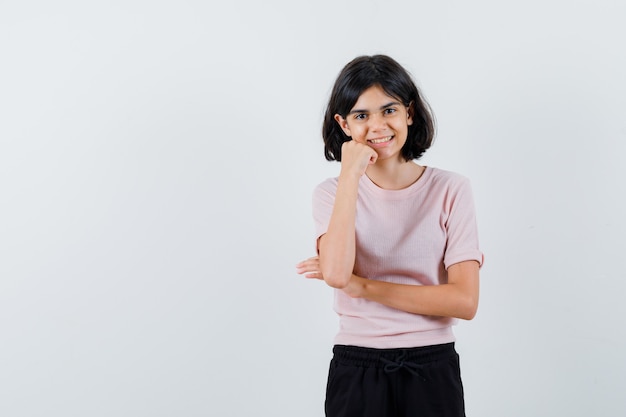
360	116
389	110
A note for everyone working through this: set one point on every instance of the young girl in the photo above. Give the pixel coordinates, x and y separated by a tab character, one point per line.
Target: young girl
398	242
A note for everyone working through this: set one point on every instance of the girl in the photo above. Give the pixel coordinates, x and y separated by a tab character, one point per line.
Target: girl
398	242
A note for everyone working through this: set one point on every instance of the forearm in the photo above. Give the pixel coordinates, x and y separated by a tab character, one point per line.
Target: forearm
431	300
458	298
337	245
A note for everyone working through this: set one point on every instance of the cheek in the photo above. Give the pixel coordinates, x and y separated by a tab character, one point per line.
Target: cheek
358	131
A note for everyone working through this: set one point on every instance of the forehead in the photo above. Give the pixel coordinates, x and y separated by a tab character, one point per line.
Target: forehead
374	98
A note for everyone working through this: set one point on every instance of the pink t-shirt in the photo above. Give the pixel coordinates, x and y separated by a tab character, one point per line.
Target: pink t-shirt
408	236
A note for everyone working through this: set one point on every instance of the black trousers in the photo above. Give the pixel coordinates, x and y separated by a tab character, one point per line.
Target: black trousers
415	382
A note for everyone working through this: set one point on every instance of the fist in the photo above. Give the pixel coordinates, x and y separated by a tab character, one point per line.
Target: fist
356	157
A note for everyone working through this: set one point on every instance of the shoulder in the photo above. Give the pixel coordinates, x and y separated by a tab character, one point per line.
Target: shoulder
329	185
455	190
325	190
448	179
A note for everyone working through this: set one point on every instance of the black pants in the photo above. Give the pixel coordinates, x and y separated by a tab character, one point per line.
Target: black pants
416	382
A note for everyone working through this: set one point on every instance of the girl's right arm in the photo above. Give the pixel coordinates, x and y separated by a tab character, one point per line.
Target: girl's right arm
337	246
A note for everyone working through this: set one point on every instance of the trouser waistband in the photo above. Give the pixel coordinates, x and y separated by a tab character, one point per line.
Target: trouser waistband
362	356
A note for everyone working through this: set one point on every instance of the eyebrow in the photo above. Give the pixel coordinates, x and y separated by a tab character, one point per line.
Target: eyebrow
390	104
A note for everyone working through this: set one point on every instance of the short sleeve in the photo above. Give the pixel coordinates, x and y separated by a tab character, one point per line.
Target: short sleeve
323	202
461	226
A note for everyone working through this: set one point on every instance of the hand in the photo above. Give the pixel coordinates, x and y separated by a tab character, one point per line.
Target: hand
310	268
356	157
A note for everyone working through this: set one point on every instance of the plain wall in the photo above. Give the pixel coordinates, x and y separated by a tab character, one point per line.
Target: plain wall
156	167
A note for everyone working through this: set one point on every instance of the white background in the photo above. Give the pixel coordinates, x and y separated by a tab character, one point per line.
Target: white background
156	166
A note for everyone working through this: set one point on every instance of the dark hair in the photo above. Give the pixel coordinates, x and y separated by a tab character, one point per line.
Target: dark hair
378	70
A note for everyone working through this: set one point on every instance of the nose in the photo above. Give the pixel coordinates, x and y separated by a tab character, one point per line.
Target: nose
377	122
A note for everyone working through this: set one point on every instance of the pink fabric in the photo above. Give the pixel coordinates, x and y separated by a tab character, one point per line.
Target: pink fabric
408	236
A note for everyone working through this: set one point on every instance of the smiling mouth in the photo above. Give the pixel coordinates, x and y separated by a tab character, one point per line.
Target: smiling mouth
381	140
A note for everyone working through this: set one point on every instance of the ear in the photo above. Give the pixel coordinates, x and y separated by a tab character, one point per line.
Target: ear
409	114
343	124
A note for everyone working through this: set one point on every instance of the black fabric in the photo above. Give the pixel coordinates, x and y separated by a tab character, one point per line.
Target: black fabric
413	382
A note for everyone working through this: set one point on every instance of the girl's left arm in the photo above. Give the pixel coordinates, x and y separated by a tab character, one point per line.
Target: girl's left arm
458	298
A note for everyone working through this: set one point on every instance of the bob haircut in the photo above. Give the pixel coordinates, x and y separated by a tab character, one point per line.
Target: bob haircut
377	70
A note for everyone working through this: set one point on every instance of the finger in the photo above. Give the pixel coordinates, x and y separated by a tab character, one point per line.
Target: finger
303	270
308	269
314	275
311	261
308	261
312	258
373	157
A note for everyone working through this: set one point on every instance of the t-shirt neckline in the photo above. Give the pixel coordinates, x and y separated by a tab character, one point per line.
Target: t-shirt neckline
385	193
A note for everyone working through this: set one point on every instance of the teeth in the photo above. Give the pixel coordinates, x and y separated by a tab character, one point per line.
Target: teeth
388	138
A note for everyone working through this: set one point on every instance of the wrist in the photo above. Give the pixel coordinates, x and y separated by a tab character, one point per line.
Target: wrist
349	176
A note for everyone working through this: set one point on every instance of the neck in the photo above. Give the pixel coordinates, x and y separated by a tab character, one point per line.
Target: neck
394	175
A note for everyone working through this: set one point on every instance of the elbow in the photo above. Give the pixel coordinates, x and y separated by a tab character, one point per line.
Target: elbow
336	280
468	315
468	309
336	276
